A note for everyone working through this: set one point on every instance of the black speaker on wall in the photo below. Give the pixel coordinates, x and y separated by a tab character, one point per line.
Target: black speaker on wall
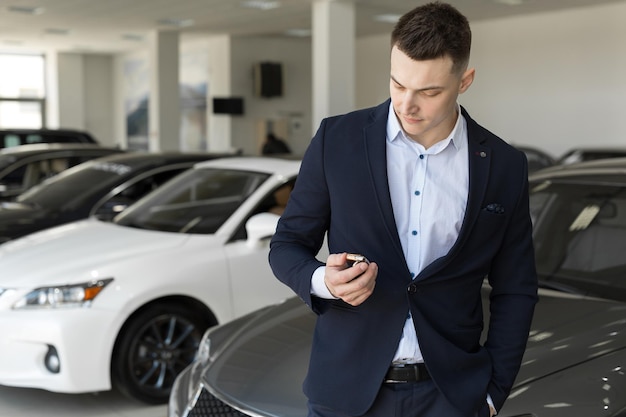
268	79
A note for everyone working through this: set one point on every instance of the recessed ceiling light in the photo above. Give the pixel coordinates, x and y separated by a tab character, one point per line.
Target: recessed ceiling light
261	4
57	31
510	2
26	10
387	18
179	23
132	37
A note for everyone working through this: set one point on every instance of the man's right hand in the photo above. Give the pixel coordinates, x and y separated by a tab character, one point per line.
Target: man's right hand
351	284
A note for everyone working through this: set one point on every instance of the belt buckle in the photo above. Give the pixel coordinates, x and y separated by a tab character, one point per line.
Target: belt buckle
404	366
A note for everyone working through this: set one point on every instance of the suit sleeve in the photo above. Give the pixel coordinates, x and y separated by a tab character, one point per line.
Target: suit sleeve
513	279
302	228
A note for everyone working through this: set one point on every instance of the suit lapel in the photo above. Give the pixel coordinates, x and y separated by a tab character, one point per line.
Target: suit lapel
374	136
479	162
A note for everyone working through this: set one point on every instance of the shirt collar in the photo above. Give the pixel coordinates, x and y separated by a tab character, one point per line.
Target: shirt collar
457	136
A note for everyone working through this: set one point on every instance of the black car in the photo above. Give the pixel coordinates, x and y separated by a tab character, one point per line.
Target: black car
17	137
102	187
591	153
537	159
574	362
25	166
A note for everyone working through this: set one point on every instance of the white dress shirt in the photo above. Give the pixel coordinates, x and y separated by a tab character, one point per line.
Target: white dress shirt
429	189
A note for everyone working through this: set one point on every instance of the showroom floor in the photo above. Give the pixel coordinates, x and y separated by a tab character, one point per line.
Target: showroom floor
25	402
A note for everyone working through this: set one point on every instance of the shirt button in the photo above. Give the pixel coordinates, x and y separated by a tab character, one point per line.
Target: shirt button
417	193
412	289
414	232
421	156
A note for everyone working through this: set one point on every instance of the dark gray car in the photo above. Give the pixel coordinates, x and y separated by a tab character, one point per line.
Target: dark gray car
576	354
23	167
102	187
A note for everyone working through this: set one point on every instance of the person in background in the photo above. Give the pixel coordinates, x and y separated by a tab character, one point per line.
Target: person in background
274	145
437	203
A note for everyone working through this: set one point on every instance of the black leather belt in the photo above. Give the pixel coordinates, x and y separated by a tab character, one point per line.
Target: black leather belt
409	372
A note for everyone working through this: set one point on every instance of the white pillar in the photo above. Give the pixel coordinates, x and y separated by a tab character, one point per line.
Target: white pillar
164	102
71	91
219	129
333	58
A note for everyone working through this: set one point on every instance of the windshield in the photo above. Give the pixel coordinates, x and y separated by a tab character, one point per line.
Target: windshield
75	183
197	201
580	237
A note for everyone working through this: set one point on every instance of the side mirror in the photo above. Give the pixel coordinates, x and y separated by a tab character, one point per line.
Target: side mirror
260	227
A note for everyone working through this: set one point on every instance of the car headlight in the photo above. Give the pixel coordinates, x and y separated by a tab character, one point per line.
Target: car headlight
74	295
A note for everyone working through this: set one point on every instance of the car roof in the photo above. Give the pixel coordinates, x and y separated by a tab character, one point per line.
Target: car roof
45	130
608	171
36	148
138	160
270	165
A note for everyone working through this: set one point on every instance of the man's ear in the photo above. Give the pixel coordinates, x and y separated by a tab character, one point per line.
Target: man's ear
466	80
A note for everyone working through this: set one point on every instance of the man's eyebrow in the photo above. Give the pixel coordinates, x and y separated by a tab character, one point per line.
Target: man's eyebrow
434	87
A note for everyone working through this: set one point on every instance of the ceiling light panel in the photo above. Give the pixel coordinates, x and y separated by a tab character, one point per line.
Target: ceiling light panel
261	4
26	10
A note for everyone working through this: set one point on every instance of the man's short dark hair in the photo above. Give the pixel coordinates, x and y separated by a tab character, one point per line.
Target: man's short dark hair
432	31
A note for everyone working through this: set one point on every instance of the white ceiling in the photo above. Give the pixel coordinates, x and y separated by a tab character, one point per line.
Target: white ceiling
106	25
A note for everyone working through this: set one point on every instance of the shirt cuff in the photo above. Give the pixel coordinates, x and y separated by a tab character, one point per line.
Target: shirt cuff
318	286
490	402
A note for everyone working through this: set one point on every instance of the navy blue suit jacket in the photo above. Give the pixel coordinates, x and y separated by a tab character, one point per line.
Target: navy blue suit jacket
342	191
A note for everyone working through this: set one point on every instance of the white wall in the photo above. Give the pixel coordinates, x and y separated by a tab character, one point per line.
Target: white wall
98	98
81	94
554	80
293	108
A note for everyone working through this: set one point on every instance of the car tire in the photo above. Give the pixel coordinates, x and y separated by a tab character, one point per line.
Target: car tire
154	346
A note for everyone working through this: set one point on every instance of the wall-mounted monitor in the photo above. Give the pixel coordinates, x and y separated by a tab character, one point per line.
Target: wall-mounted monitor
228	105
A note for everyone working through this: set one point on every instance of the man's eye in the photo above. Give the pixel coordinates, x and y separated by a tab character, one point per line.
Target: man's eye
431	93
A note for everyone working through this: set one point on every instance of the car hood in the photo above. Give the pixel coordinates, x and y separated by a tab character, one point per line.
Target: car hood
260	368
79	246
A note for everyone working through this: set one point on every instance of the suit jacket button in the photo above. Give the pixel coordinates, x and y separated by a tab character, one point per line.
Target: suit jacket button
412	289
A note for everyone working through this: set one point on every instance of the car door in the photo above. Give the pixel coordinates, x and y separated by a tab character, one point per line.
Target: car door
252	281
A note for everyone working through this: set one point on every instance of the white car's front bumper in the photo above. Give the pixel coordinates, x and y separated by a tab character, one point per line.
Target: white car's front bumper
78	335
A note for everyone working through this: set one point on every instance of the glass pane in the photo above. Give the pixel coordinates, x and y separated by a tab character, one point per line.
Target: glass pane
580	236
22	76
19	114
197	201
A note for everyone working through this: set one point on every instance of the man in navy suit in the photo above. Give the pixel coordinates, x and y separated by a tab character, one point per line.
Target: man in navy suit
437	203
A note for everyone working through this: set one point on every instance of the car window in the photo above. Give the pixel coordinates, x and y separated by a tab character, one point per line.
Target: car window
580	236
132	192
34	138
76	184
197	201
13	179
10	140
274	202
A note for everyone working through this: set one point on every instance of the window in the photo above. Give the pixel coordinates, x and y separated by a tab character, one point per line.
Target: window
580	236
22	91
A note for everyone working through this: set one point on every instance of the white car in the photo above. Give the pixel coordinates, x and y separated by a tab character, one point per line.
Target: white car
92	305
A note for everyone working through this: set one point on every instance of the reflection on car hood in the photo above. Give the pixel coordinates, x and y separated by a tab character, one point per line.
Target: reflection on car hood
77	246
261	368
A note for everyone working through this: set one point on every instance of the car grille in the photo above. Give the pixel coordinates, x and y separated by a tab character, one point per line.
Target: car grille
208	405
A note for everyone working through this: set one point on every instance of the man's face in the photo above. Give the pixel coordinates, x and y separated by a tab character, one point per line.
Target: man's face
424	95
